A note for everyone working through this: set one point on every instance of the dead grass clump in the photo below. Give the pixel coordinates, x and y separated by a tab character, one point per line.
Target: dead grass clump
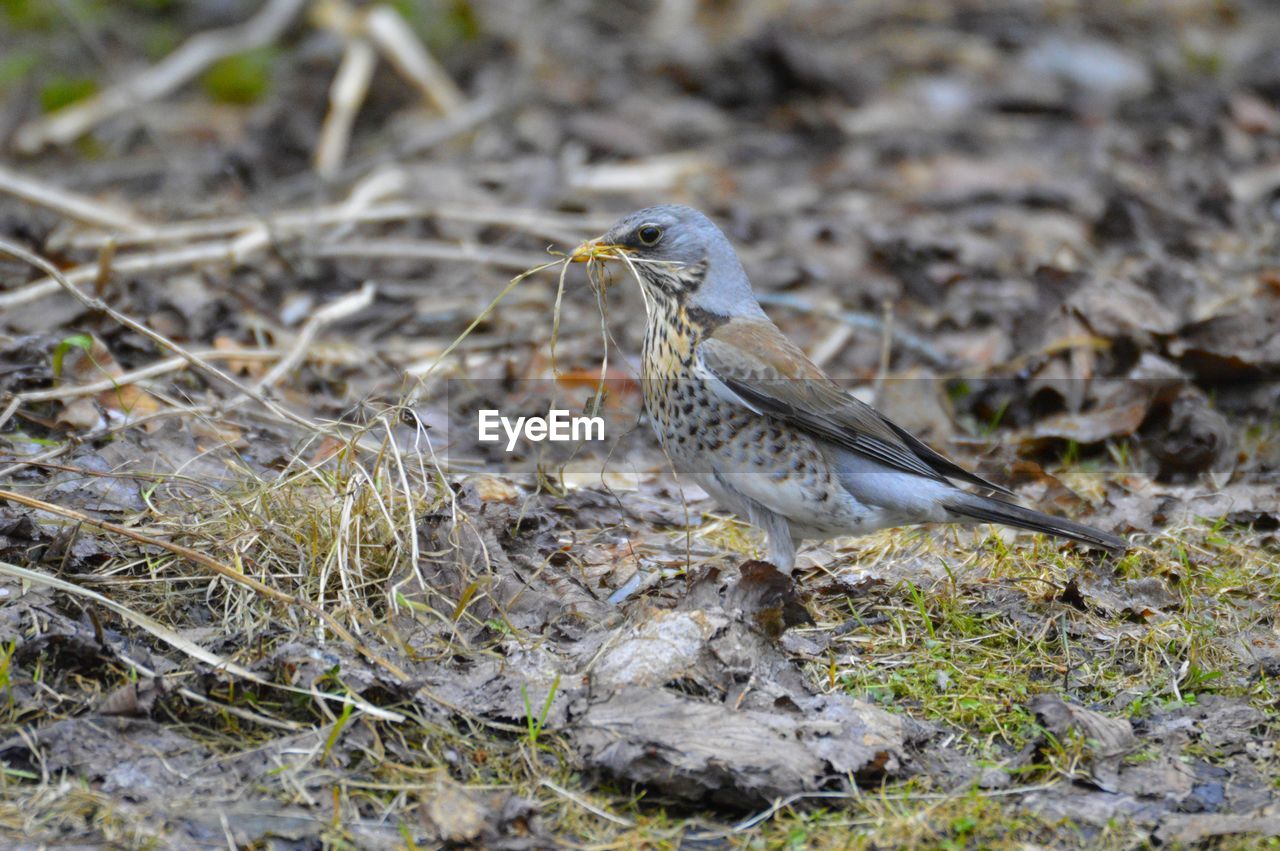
331	528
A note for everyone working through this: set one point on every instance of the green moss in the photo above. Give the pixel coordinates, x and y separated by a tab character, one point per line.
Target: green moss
152	5
957	668
241	79
52	15
440	23
1202	63
63	90
15	66
29	14
911	816
161	40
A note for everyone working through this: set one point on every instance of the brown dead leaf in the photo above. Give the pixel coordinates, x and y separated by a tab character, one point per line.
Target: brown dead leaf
81	414
1138	599
1233	345
79	365
1116	308
133	699
1091	427
210	434
767	598
1108	740
1031	481
618	385
326	449
244	367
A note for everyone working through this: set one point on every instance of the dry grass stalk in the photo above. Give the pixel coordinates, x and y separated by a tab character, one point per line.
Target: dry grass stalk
195	651
347	92
484	314
232	253
70	204
335	311
560	226
422	249
68	392
227	572
403	49
138	619
218	706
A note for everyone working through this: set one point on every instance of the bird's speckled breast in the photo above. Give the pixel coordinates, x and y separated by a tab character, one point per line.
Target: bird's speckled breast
719	443
685	416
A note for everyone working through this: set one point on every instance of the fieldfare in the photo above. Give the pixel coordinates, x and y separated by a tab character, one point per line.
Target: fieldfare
740	408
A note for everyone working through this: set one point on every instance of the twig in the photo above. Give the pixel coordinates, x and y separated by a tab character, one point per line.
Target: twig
172	72
423	249
327	315
156	337
226	571
585	804
886	346
196	697
290	221
70	204
655	174
257	234
383	29
173	639
131	377
831	345
176	258
388	30
106	257
383	183
431	133
347	92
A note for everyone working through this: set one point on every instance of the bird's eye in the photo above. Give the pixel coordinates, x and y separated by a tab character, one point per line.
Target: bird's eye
649	234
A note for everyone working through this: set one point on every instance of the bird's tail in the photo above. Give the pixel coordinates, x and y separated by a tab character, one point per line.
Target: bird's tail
989	510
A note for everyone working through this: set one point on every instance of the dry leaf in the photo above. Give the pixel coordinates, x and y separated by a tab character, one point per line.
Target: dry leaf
81	360
245	367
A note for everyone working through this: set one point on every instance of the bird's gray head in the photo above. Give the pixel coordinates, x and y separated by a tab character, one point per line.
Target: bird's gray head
679	254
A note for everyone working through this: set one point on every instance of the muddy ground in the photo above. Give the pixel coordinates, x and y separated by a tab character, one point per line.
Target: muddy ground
258	587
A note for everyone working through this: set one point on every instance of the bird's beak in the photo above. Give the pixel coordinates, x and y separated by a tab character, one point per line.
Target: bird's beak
595	249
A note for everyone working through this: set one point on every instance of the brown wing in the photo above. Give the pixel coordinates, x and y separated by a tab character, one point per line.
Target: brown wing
770	374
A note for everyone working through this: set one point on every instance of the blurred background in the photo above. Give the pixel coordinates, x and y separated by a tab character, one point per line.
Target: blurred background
1017	199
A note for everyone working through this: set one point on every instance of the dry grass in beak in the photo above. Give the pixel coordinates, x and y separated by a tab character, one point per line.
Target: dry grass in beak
595	253
595	250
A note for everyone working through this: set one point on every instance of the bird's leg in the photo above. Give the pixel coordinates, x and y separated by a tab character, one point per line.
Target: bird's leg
781	548
779	543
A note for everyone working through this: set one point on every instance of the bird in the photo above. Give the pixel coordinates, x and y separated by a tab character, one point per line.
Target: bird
739	408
